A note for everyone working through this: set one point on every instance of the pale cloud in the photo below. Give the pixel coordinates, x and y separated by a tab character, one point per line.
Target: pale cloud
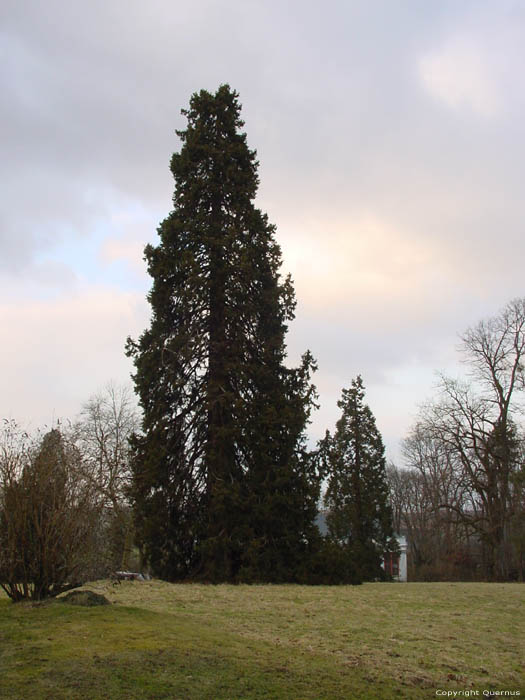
59	351
461	75
122	250
368	258
131	228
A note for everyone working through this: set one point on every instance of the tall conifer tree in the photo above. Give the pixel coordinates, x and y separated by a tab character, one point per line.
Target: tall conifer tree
359	517
220	489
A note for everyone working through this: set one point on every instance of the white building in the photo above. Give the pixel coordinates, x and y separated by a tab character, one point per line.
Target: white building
394	565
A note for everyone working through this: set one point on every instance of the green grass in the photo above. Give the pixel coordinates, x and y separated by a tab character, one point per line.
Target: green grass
292	642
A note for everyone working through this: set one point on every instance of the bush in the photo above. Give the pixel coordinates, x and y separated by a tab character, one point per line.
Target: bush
332	564
48	516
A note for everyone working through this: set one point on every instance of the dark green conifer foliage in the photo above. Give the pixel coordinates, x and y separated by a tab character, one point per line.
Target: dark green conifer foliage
359	517
220	489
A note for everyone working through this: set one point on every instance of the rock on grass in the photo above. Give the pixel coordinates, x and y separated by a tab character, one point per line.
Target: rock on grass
86	598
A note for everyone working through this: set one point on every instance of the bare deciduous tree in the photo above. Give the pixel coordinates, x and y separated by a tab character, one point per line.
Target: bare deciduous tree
475	423
102	433
438	539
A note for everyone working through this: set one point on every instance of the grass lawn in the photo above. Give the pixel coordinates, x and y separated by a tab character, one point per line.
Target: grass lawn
160	640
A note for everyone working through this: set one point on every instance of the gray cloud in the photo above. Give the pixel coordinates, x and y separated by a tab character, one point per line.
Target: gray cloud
391	141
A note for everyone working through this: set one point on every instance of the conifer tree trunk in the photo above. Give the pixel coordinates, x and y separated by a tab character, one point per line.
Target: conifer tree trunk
219	448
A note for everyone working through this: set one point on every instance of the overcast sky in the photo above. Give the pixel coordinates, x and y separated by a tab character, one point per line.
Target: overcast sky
391	141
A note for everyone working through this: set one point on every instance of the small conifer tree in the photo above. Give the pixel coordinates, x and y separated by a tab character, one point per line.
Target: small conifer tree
359	518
